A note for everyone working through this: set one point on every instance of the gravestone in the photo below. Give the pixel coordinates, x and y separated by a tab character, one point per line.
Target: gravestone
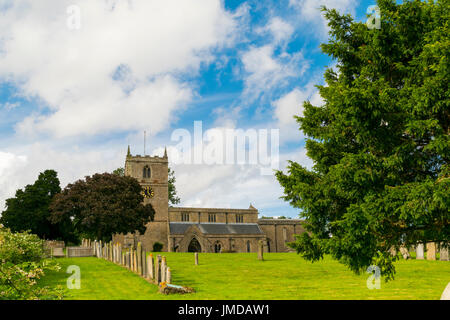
150	267
443	252
419	251
135	269
131	259
110	257
169	276
405	253
431	251
163	269
260	250
446	294
158	269
393	252
139	258
196	258
144	264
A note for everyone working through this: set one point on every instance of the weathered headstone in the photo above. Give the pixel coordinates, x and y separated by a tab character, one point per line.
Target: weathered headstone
168	276
419	251
446	294
431	251
150	267
110	251
139	258
393	252
144	263
163	269
158	269
443	253
260	250
196	258
405	253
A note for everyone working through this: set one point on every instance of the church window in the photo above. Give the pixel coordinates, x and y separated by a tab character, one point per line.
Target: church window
146	172
185	216
217	248
211	217
239	218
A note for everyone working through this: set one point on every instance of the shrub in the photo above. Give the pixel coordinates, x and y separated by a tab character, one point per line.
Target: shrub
22	264
157	247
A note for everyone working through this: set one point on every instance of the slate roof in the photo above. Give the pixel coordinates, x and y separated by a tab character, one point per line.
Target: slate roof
216	228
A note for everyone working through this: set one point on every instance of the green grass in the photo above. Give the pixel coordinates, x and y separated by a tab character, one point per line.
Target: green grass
242	276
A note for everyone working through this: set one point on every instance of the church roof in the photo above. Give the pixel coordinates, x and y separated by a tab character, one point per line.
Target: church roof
216	228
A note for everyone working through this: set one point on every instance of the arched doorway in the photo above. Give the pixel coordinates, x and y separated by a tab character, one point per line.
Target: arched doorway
194	246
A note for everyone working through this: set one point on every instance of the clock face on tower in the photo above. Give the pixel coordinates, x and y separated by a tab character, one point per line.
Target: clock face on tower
147	192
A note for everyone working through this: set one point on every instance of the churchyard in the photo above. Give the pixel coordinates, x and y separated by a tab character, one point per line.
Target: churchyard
240	276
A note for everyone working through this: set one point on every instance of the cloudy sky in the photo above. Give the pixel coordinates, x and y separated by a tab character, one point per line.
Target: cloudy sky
82	79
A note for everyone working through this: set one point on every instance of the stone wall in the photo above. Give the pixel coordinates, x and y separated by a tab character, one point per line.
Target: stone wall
280	231
201	215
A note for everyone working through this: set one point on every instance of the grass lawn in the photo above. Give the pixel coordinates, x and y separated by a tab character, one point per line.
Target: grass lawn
241	276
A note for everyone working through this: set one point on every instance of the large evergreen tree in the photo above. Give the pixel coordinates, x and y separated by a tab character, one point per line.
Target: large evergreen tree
380	143
102	205
29	209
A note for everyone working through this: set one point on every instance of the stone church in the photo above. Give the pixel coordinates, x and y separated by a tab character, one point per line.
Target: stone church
183	229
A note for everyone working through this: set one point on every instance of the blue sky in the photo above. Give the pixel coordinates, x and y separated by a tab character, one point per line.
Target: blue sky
80	80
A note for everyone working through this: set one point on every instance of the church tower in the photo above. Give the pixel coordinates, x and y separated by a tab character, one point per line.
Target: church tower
152	174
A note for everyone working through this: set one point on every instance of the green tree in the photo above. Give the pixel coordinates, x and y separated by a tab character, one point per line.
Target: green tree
29	209
102	205
119	171
380	143
173	199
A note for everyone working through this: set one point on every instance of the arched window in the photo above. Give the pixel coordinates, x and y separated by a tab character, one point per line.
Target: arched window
248	246
217	247
146	172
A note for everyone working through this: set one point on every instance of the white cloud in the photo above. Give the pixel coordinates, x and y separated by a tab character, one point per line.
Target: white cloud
233	186
75	72
290	105
265	71
280	29
309	12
